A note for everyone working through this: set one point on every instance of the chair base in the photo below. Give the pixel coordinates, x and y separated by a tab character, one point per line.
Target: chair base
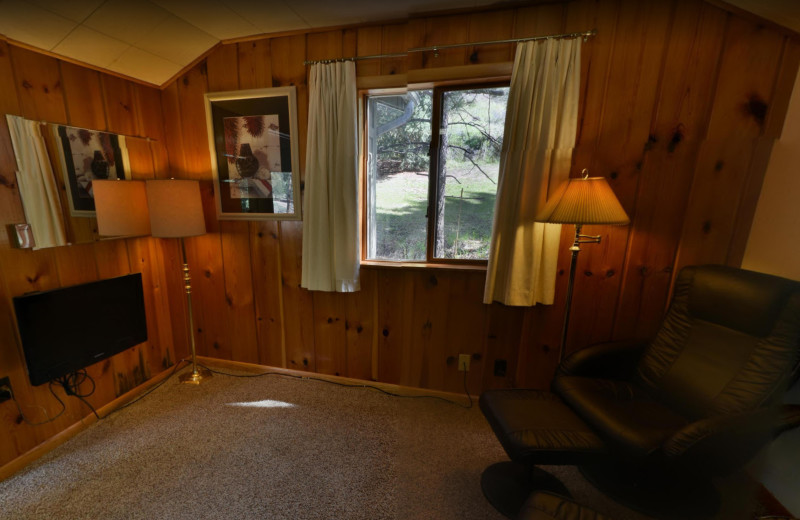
665	498
507	485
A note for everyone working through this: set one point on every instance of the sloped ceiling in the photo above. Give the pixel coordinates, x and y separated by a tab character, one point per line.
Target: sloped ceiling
152	40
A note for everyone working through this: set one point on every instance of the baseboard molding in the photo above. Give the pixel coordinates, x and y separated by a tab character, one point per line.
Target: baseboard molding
13	466
388	387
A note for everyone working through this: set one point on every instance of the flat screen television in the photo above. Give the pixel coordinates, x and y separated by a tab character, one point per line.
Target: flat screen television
67	329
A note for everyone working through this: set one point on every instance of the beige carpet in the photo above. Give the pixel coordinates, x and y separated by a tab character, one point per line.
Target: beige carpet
272	448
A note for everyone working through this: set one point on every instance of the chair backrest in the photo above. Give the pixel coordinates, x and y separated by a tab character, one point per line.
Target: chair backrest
730	342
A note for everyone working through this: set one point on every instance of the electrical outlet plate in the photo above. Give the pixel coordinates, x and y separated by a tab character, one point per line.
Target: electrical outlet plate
5	396
463	362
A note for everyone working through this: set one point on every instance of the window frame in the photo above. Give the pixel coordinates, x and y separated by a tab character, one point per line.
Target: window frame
437	88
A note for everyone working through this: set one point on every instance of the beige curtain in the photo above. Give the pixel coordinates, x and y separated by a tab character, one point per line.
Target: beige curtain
37	185
541	122
330	205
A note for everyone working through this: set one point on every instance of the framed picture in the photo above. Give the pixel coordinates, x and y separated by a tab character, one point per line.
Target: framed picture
252	136
85	155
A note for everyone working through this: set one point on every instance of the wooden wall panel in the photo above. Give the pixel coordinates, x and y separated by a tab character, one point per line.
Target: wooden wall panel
665	114
42	88
10	207
83	95
38	86
738	119
652	79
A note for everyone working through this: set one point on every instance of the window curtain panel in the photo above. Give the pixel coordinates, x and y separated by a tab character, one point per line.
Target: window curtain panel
540	128
37	185
331	248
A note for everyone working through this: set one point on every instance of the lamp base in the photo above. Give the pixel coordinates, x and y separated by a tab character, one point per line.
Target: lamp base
195	377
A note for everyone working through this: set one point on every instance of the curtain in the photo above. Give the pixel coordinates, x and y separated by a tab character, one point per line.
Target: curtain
330	206
37	185
540	128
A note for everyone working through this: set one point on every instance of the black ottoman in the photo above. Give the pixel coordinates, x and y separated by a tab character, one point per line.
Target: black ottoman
515	416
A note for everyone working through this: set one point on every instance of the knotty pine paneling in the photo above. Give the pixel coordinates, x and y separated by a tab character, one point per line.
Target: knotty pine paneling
39	87
665	115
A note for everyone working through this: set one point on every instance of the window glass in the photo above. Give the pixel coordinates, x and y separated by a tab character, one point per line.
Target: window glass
471	136
458	197
398	163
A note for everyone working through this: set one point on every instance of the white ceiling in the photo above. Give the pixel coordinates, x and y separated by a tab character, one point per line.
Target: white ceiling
152	40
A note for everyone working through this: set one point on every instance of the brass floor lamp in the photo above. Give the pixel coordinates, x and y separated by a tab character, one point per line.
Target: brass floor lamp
176	211
161	208
583	200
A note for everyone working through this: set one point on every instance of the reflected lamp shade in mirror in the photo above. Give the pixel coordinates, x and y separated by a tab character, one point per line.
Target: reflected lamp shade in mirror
121	208
176	208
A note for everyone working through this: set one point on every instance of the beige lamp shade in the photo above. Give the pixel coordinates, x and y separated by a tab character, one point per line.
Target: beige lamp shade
121	208
586	200
176	209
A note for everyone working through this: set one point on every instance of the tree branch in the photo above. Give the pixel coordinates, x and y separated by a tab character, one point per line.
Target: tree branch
467	155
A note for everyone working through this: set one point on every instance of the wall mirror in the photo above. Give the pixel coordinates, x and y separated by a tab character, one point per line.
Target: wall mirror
56	165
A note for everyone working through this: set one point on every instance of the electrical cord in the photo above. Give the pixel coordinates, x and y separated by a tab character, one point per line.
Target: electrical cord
351	385
71	383
49	419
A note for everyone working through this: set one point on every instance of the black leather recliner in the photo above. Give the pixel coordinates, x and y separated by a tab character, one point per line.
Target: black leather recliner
651	423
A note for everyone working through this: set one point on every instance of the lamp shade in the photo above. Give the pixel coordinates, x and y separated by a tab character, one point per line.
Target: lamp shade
176	209
121	208
586	200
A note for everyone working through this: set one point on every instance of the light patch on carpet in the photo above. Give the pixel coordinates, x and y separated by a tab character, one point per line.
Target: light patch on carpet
266	403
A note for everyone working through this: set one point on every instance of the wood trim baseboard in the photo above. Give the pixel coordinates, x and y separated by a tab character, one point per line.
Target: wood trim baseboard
388	387
13	466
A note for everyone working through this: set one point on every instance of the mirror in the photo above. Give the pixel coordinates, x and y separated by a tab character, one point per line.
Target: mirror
56	165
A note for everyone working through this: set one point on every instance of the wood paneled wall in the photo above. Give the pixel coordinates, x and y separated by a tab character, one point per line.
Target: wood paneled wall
680	102
42	88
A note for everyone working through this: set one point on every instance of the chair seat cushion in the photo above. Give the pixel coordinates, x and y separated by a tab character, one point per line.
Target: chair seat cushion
536	427
621	413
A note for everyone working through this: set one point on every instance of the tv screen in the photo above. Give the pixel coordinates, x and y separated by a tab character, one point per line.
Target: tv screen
66	329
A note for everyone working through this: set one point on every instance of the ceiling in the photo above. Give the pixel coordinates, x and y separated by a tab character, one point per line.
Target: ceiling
152	40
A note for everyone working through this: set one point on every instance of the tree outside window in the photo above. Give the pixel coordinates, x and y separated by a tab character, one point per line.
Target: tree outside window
411	214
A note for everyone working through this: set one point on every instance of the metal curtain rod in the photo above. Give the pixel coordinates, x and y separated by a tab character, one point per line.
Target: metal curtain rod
435	48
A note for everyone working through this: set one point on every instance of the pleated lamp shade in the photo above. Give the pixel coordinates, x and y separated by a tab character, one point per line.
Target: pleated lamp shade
121	208
586	200
176	209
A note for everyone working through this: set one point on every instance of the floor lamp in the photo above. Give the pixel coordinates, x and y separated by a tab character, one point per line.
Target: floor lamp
161	208
583	200
176	211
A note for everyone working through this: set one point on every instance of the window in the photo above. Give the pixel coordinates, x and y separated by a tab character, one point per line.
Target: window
432	163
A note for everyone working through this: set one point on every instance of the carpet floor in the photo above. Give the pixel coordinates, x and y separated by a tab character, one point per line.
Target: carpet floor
273	448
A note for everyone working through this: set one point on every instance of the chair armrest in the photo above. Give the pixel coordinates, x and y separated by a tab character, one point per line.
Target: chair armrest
615	360
721	444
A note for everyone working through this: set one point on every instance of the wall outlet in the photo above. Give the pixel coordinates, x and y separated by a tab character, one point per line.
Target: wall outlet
463	362
5	389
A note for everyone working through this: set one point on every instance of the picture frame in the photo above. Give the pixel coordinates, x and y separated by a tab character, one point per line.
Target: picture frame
83	156
252	137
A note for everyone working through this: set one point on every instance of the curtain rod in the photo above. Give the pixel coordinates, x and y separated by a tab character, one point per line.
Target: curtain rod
436	48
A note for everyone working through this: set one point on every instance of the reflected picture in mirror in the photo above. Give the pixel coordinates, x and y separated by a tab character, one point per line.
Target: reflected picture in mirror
56	167
87	155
